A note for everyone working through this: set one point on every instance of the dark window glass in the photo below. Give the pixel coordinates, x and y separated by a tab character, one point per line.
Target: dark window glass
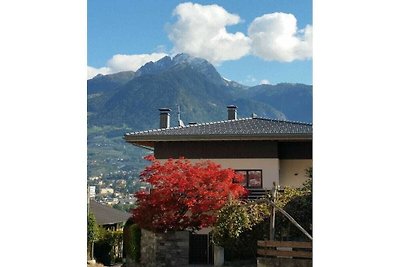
252	178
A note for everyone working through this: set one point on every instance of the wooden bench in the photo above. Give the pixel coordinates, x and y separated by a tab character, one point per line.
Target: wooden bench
284	254
285	249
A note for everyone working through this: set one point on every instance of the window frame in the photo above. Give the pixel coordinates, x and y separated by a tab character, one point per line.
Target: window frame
247	177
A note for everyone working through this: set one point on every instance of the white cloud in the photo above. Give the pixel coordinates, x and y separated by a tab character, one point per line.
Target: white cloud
132	62
265	82
91	71
249	80
124	63
201	31
275	37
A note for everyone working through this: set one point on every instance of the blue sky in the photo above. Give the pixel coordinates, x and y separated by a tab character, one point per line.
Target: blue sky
276	47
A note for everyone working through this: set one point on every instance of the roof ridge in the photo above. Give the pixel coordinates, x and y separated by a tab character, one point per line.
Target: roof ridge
186	126
280	120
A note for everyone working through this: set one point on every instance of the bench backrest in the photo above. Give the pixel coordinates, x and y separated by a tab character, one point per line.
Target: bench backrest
285	249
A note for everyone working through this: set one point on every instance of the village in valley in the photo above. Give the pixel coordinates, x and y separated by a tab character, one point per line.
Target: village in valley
112	192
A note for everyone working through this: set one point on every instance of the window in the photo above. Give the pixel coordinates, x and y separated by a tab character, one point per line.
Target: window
252	178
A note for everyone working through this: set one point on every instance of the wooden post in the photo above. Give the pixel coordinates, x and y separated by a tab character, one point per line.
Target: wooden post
88	211
283	212
272	216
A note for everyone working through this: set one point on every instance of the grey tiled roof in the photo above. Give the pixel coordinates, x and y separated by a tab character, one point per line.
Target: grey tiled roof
107	215
247	128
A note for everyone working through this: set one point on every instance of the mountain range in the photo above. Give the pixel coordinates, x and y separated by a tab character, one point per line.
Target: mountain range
129	101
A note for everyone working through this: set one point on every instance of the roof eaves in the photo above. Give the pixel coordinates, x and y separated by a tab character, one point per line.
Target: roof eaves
147	132
221	137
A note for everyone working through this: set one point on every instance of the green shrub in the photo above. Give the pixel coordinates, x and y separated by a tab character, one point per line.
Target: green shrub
136	237
105	248
238	227
300	208
132	237
244	247
92	228
93	232
234	219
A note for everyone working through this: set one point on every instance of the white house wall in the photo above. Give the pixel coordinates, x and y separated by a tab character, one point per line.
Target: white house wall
293	171
269	167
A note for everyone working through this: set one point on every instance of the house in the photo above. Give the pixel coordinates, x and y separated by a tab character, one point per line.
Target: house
263	150
107	216
110	219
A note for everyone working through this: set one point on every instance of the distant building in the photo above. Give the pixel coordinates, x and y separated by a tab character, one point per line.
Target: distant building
94	178
127	201
106	191
107	216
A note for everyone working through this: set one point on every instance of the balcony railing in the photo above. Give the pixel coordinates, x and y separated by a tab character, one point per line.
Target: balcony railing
256	193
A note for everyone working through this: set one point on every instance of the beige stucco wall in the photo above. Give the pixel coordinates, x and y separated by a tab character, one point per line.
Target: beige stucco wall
290	167
269	167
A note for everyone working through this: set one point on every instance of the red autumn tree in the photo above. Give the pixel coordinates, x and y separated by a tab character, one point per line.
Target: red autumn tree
184	195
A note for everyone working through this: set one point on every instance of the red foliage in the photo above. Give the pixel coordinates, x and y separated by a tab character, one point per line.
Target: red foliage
184	195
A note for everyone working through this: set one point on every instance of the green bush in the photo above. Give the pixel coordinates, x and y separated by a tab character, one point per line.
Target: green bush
298	203
244	247
104	249
92	228
300	208
93	232
238	227
132	237
234	219
136	237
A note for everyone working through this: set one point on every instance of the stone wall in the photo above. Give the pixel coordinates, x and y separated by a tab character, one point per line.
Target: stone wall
164	249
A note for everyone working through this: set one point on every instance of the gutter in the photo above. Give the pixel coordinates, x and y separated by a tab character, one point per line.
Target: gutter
141	146
158	138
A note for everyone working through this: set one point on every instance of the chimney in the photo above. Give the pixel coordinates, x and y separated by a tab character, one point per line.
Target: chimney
164	118
232	114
